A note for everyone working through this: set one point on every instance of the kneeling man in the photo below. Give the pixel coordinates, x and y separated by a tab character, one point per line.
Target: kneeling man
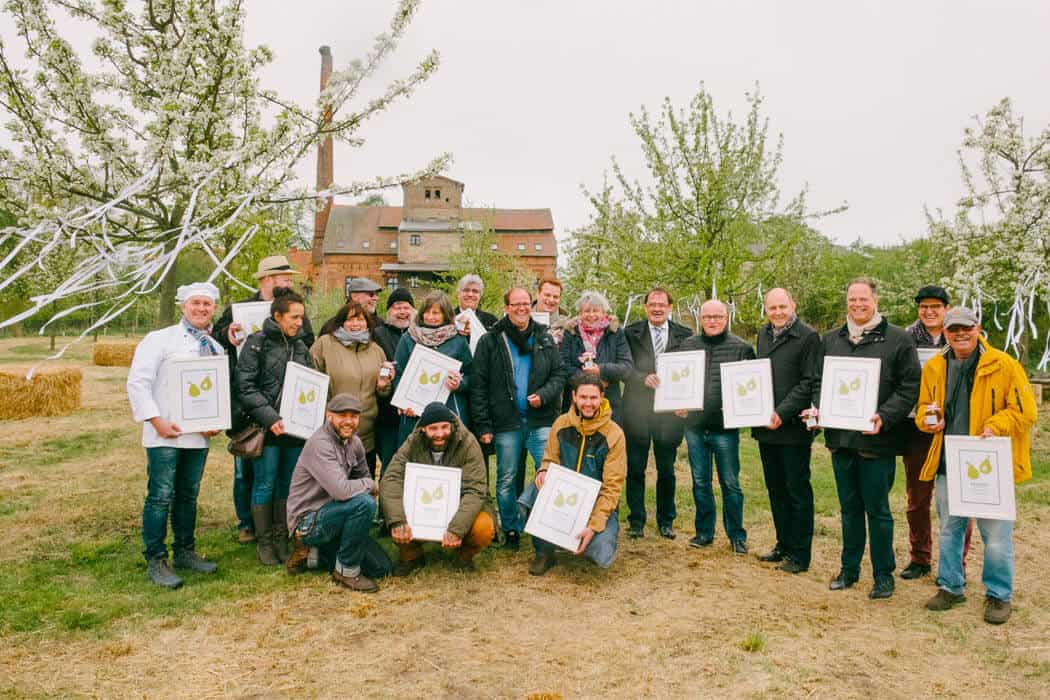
331	501
585	439
441	439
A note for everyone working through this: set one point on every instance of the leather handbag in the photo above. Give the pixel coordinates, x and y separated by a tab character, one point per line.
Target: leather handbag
247	442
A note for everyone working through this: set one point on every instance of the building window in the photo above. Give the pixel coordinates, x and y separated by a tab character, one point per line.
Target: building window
494	246
413	281
393	245
366	244
437	194
414	239
521	246
538	246
391	282
426	194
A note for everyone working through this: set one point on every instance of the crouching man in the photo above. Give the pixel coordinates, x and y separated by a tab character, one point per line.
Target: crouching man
331	502
441	439
585	439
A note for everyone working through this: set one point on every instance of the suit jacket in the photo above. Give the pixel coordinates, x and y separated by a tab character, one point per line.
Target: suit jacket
639	420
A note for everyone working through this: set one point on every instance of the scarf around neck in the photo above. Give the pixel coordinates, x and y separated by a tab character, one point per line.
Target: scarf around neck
348	338
432	337
777	332
203	338
521	338
592	335
857	332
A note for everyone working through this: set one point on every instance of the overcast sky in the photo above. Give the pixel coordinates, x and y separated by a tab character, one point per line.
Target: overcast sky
532	98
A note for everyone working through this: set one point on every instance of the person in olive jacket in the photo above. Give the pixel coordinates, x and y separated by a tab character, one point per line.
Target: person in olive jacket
785	445
593	343
707	436
652	336
258	383
864	462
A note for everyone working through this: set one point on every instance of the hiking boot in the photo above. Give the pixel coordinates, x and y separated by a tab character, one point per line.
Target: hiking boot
298	560
245	536
772	556
791	566
264	551
996	611
160	574
738	547
359	583
883	588
701	541
513	541
842	581
542	564
667	532
914	570
280	530
189	559
405	567
944	600
636	531
460	564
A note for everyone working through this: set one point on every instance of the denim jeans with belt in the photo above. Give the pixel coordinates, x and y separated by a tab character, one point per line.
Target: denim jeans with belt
998	575
346	523
273	474
509	446
724	447
602	547
863	484
174	482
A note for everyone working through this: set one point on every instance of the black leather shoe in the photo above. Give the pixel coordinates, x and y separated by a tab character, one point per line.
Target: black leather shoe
739	547
666	531
636	531
914	570
883	588
774	555
842	582
792	567
700	541
512	541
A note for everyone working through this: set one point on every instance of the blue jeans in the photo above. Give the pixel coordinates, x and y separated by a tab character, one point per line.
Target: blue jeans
998	575
724	447
509	446
602	548
273	474
345	522
174	482
243	476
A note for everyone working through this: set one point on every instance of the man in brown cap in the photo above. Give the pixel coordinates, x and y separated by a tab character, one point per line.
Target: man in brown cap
331	501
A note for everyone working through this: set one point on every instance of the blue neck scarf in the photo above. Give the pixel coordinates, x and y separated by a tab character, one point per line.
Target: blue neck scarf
203	339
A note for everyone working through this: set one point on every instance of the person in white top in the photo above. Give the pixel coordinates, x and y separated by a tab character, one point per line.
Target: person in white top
174	459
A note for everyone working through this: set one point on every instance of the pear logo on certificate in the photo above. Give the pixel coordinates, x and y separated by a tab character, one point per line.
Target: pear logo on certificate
303	397
747	393
564	510
431	503
200	400
199	392
848	395
681	386
981	484
980	477
306	406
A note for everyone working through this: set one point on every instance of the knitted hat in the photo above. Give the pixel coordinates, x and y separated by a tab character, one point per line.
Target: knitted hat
400	294
435	413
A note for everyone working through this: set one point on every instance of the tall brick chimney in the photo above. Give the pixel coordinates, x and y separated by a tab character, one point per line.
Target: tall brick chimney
325	173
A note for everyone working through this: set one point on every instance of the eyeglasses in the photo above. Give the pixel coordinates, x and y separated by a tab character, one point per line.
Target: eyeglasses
520	305
930	307
712	318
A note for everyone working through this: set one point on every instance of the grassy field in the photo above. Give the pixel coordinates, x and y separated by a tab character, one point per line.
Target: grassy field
79	619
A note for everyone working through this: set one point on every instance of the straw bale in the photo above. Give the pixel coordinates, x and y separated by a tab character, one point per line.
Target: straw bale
53	391
113	354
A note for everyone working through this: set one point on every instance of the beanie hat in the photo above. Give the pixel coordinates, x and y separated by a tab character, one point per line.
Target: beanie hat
435	413
400	294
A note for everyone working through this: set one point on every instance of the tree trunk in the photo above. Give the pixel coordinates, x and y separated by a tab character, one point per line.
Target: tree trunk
166	313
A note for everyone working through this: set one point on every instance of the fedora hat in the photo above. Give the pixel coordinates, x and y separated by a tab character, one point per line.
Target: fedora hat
274	265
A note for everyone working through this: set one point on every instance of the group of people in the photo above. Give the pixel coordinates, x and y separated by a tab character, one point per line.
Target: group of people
576	391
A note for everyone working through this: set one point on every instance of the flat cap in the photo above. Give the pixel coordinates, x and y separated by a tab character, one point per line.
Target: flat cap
960	316
362	284
932	291
344	403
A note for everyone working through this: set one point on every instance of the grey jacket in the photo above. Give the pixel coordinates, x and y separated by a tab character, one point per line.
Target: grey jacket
329	469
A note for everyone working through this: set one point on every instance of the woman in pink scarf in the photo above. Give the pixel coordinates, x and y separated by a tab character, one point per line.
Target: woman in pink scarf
595	344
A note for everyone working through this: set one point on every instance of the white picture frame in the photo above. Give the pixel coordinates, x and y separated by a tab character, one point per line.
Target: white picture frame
414	393
553	518
303	399
543	317
980	476
677	390
849	392
431	499
747	393
927	354
199	392
250	315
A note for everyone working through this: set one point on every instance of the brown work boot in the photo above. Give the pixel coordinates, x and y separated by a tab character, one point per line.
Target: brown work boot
280	530
944	600
996	611
406	566
263	518
299	557
359	583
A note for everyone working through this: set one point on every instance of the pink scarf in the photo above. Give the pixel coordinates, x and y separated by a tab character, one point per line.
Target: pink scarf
592	335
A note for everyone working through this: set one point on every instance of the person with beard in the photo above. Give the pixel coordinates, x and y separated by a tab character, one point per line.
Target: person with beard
434	328
400	310
515	396
274	272
585	438
594	344
441	439
347	352
257	395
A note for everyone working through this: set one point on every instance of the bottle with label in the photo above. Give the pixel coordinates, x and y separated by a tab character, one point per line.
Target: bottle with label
811	417
933	415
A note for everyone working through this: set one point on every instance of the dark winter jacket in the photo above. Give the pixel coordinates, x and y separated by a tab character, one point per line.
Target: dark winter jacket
387	336
493	390
260	377
220	327
613	358
638	417
724	347
899	375
793	357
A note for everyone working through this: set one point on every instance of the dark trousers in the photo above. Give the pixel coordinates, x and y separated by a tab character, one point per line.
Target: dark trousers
386	441
863	485
920	497
243	478
786	469
637	461
346	523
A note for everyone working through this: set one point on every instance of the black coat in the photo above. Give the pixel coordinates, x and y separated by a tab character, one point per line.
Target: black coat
793	357
724	347
613	358
898	386
387	337
220	327
492	389
639	420
260	377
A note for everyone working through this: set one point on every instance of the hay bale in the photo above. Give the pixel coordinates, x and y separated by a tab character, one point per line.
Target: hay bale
53	391
113	354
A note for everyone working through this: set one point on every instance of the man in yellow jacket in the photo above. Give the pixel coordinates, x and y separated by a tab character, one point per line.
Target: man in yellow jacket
973	389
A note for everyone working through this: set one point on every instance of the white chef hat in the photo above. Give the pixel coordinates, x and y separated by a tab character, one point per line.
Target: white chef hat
197	289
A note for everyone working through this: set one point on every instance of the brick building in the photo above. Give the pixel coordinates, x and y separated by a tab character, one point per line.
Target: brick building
413	244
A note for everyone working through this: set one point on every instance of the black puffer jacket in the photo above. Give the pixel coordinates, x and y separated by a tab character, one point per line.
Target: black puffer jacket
793	357
899	376
639	420
492	388
724	347
612	356
220	327
260	377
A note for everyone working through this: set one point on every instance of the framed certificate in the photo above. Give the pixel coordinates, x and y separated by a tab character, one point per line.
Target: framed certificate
431	499
199	392
681	381
543	317
303	400
423	380
849	392
926	354
980	475
250	315
563	507
747	393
